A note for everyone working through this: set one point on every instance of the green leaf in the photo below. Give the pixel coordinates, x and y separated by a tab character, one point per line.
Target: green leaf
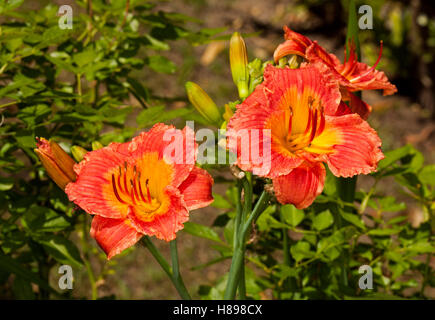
220	202
40	219
201	231
393	156
427	174
421	247
22	289
323	220
353	218
301	250
85	57
148	116
62	249
291	215
161	64
13	266
6	184
383	232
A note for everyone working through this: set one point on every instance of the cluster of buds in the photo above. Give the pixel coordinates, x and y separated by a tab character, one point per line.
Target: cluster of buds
240	73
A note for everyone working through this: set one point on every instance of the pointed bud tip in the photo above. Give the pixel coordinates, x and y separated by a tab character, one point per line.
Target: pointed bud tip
96	145
203	103
78	153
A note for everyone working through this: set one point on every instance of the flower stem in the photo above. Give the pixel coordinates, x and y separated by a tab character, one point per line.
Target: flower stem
85	247
285	244
247	208
238	257
79	87
176	280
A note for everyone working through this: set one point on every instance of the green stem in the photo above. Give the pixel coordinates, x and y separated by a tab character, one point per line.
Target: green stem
238	257
238	220
285	244
177	280
79	87
8	104
247	208
178	283
426	276
88	265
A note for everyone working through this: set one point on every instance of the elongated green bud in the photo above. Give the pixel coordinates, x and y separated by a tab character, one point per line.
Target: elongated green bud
96	145
203	103
78	153
239	64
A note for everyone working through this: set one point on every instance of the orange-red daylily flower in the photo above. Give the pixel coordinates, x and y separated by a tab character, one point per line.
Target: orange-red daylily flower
134	189
352	75
302	109
58	164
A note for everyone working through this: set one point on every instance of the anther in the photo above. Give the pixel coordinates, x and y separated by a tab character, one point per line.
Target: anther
115	191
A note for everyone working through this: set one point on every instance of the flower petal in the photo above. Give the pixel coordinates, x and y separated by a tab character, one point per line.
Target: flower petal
355	145
288	47
196	189
167	220
359	107
363	78
159	139
93	174
301	186
114	235
294	88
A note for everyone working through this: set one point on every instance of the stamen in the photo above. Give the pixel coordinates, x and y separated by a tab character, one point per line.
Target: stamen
148	191
310	115
313	129
115	191
372	68
140	188
125	177
290	117
119	179
132	193
322	123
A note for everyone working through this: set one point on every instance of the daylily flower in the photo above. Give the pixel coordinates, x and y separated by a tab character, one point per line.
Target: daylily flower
135	189
351	74
58	164
302	108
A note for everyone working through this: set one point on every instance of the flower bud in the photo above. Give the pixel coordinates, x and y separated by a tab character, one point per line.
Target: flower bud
228	112
203	103
78	153
239	64
96	145
58	164
293	62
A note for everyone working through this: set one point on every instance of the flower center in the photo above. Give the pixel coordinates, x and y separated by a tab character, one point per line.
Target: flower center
131	188
295	141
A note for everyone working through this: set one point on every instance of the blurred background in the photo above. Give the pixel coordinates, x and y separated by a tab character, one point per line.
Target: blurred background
407	29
